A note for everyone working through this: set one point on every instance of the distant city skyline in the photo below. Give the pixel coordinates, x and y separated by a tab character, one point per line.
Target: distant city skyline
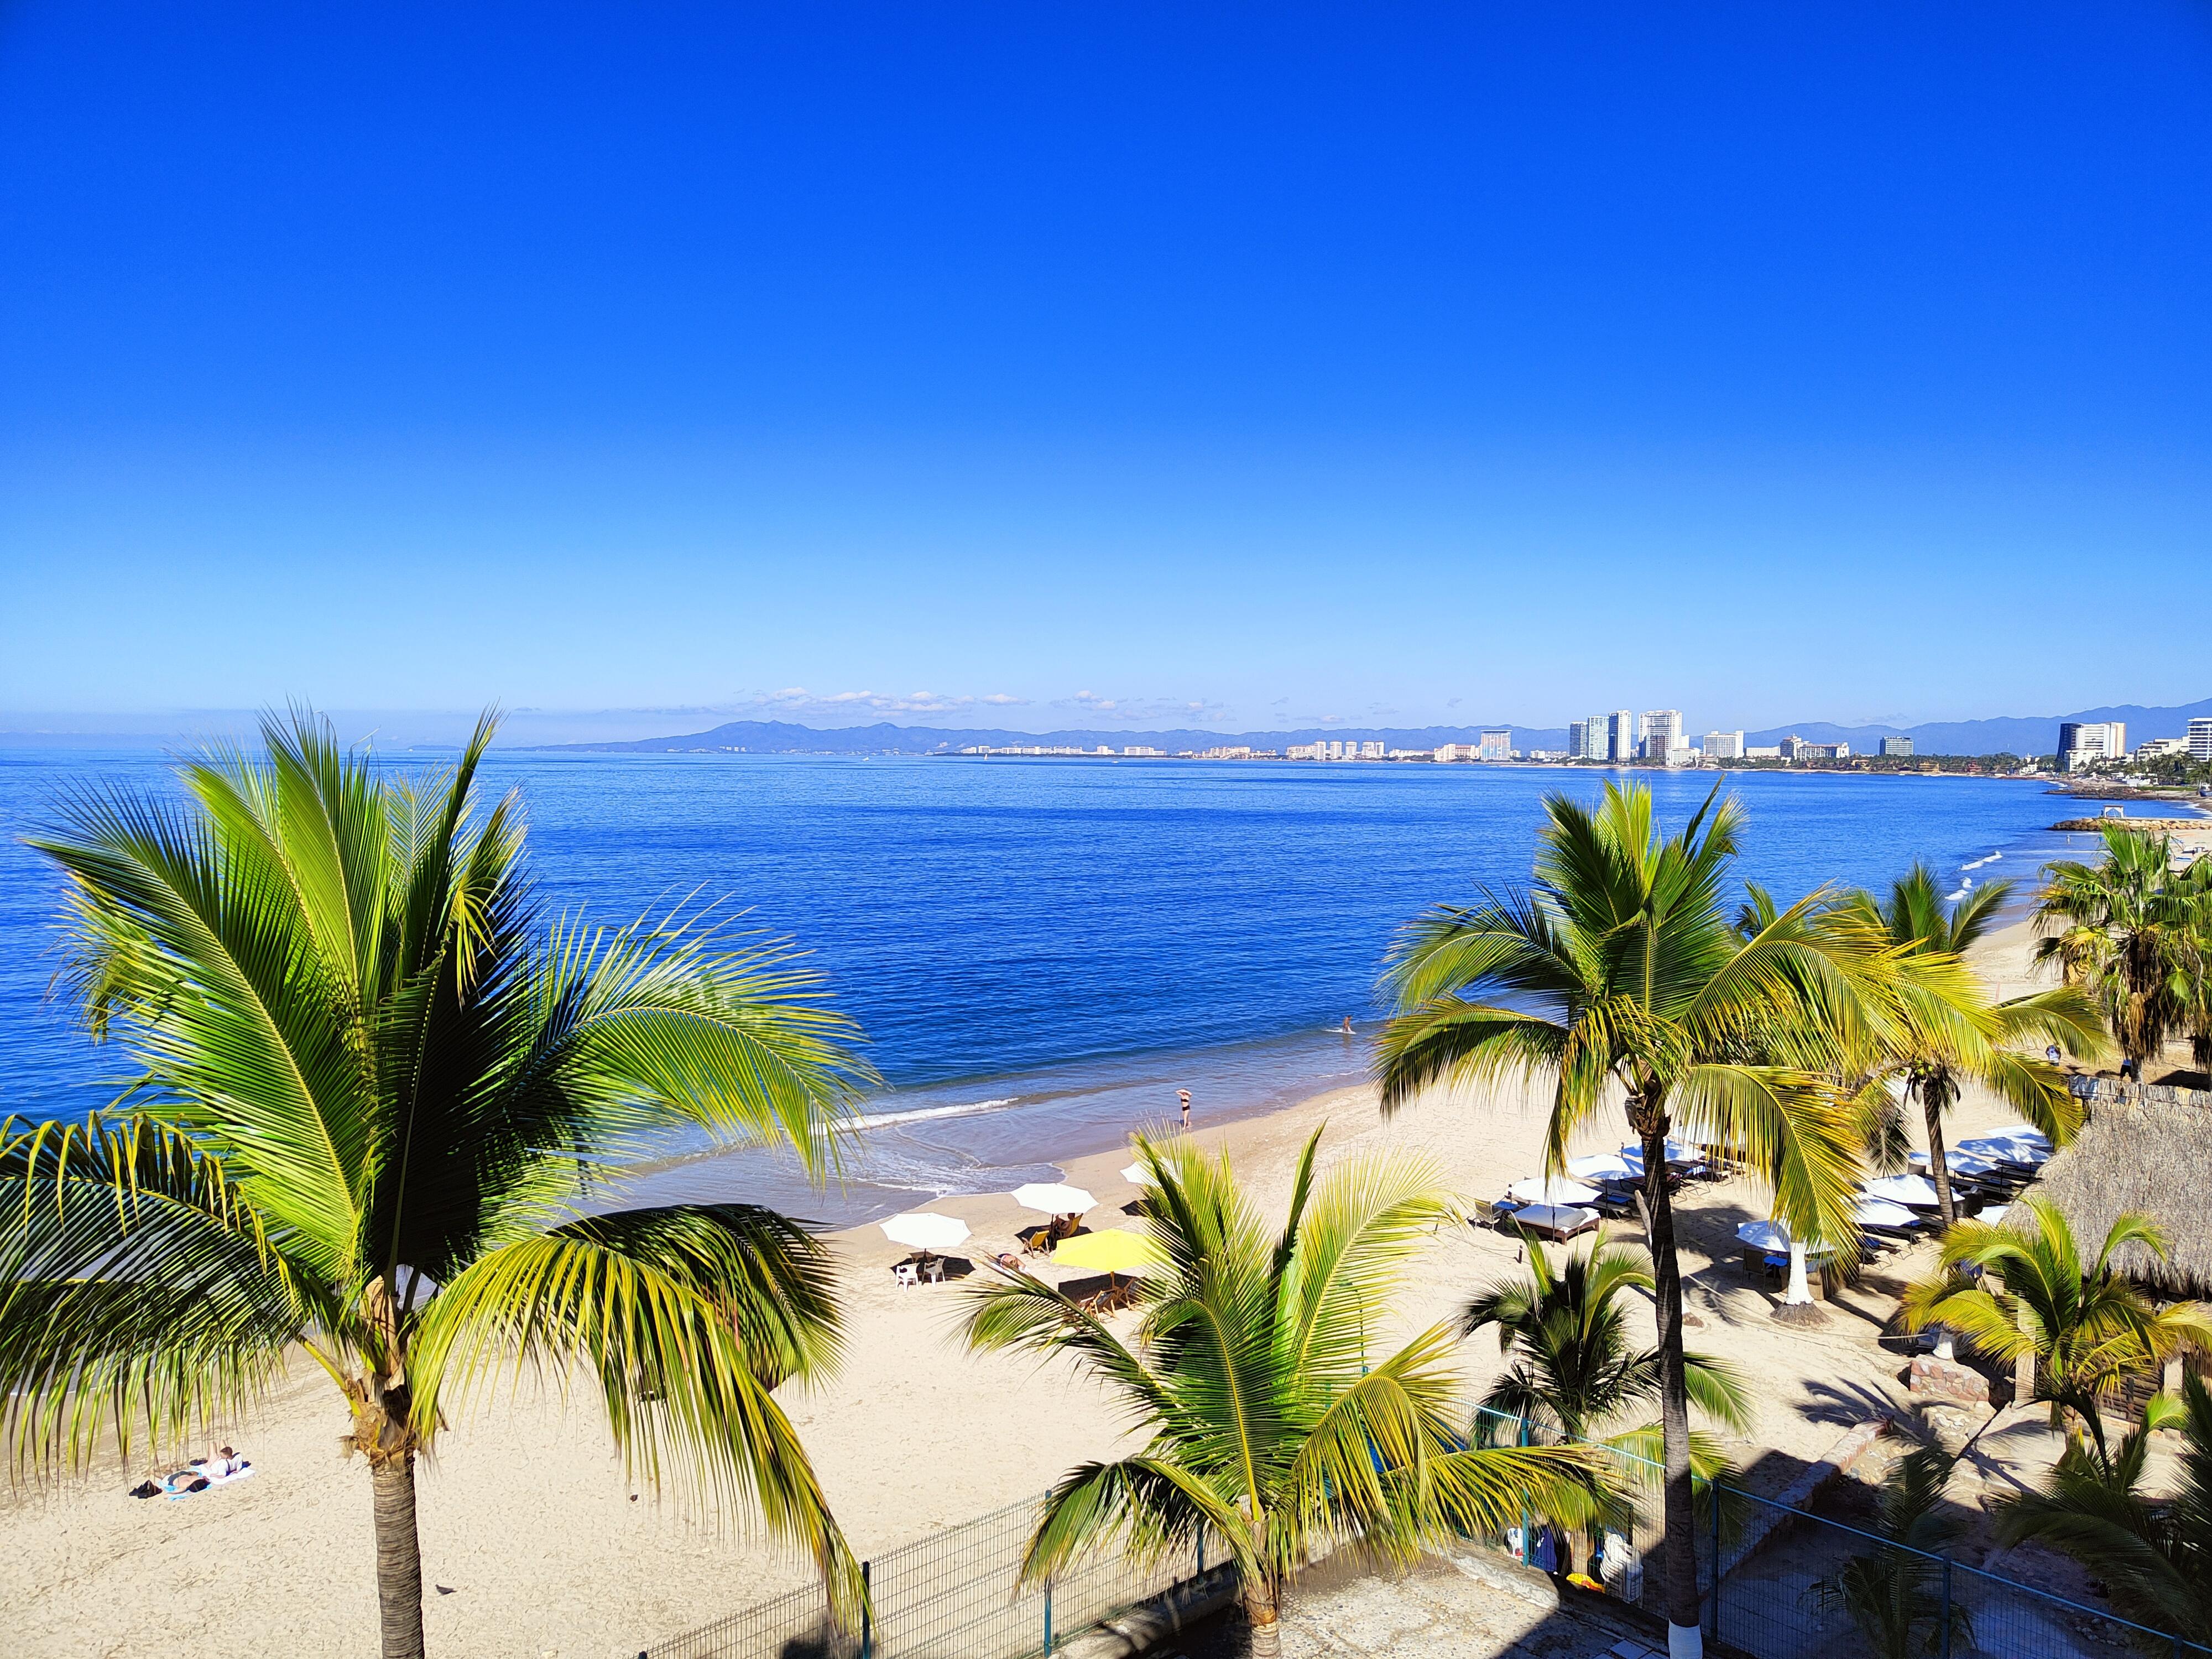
1126	368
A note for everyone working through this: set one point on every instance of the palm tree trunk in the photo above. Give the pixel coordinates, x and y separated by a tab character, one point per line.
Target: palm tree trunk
1684	1632
399	1558
1259	1614
1939	1167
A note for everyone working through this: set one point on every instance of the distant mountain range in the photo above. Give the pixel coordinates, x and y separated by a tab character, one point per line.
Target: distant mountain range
2031	735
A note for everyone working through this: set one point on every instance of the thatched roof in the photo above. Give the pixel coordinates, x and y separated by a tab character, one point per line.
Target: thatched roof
2155	1158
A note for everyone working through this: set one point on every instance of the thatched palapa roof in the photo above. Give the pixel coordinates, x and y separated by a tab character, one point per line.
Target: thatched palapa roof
2151	1158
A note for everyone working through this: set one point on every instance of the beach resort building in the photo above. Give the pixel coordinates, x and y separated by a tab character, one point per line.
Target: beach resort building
2200	737
1621	735
1586	739
1897	745
1497	743
1723	745
2083	743
1455	751
1370	751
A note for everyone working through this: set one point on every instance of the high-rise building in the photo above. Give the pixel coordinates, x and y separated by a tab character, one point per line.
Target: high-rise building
2082	743
1723	745
1621	735
1897	745
1455	751
1497	743
1370	751
1659	731
2200	737
1586	739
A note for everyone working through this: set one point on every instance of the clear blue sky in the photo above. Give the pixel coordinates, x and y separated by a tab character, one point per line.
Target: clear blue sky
1773	362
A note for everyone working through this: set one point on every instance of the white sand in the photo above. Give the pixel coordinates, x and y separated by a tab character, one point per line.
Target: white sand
527	1519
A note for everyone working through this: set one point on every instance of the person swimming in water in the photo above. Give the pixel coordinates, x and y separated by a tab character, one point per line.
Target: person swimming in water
1347	1025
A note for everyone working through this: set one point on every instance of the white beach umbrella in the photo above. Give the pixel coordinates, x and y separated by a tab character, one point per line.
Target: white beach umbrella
1959	1163
1050	1198
923	1229
1881	1213
1556	1191
1677	1151
1904	1189
2030	1149
1995	1213
1764	1235
1600	1166
1137	1176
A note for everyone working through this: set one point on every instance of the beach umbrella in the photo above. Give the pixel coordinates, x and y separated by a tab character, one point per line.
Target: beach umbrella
1677	1151
1556	1191
1959	1163
1137	1176
1904	1189
1115	1250
2028	1148
1050	1198
1995	1213
1600	1166
1764	1235
1881	1213
923	1231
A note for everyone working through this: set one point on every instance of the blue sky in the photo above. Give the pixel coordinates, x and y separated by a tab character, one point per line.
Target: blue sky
1035	365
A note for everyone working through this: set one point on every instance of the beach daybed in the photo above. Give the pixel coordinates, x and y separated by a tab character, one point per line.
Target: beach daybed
1554	1222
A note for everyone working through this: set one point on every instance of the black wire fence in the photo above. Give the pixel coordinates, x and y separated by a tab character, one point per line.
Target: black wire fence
956	1595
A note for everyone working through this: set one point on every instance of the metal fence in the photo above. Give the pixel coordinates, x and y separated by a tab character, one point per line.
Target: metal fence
957	1594
1791	1584
1819	1588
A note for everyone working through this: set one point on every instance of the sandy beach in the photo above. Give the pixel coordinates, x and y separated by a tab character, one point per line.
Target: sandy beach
538	1545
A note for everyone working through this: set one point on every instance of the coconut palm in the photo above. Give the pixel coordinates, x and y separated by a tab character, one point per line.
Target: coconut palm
2153	1555
1269	1431
2082	1328
1944	1041
377	1093
1573	1371
1619	977
1894	1595
2128	931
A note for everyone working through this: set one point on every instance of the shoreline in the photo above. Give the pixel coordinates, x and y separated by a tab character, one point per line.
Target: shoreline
538	1542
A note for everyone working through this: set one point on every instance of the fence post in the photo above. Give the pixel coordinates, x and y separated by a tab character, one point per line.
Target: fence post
1047	1616
1528	1547
867	1617
1944	1651
1713	1498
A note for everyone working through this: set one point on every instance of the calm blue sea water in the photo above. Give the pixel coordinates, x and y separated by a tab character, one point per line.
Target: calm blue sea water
1044	952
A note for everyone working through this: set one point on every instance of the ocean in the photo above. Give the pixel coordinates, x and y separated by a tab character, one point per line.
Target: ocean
1042	952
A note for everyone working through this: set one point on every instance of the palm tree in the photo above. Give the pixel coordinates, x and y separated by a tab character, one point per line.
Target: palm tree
2126	929
1892	1594
1620	976
1943	1042
2154	1556
2080	1328
1269	1430
1573	1371
377	1088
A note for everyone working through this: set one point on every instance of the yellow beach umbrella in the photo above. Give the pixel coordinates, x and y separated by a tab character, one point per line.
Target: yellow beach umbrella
1116	1250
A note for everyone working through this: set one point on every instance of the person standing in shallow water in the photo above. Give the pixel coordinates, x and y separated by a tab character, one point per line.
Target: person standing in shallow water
1183	1095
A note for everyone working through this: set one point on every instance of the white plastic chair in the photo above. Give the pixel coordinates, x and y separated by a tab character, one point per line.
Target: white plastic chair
906	1274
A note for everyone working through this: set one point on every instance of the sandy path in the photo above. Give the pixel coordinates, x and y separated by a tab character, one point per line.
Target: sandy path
528	1521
